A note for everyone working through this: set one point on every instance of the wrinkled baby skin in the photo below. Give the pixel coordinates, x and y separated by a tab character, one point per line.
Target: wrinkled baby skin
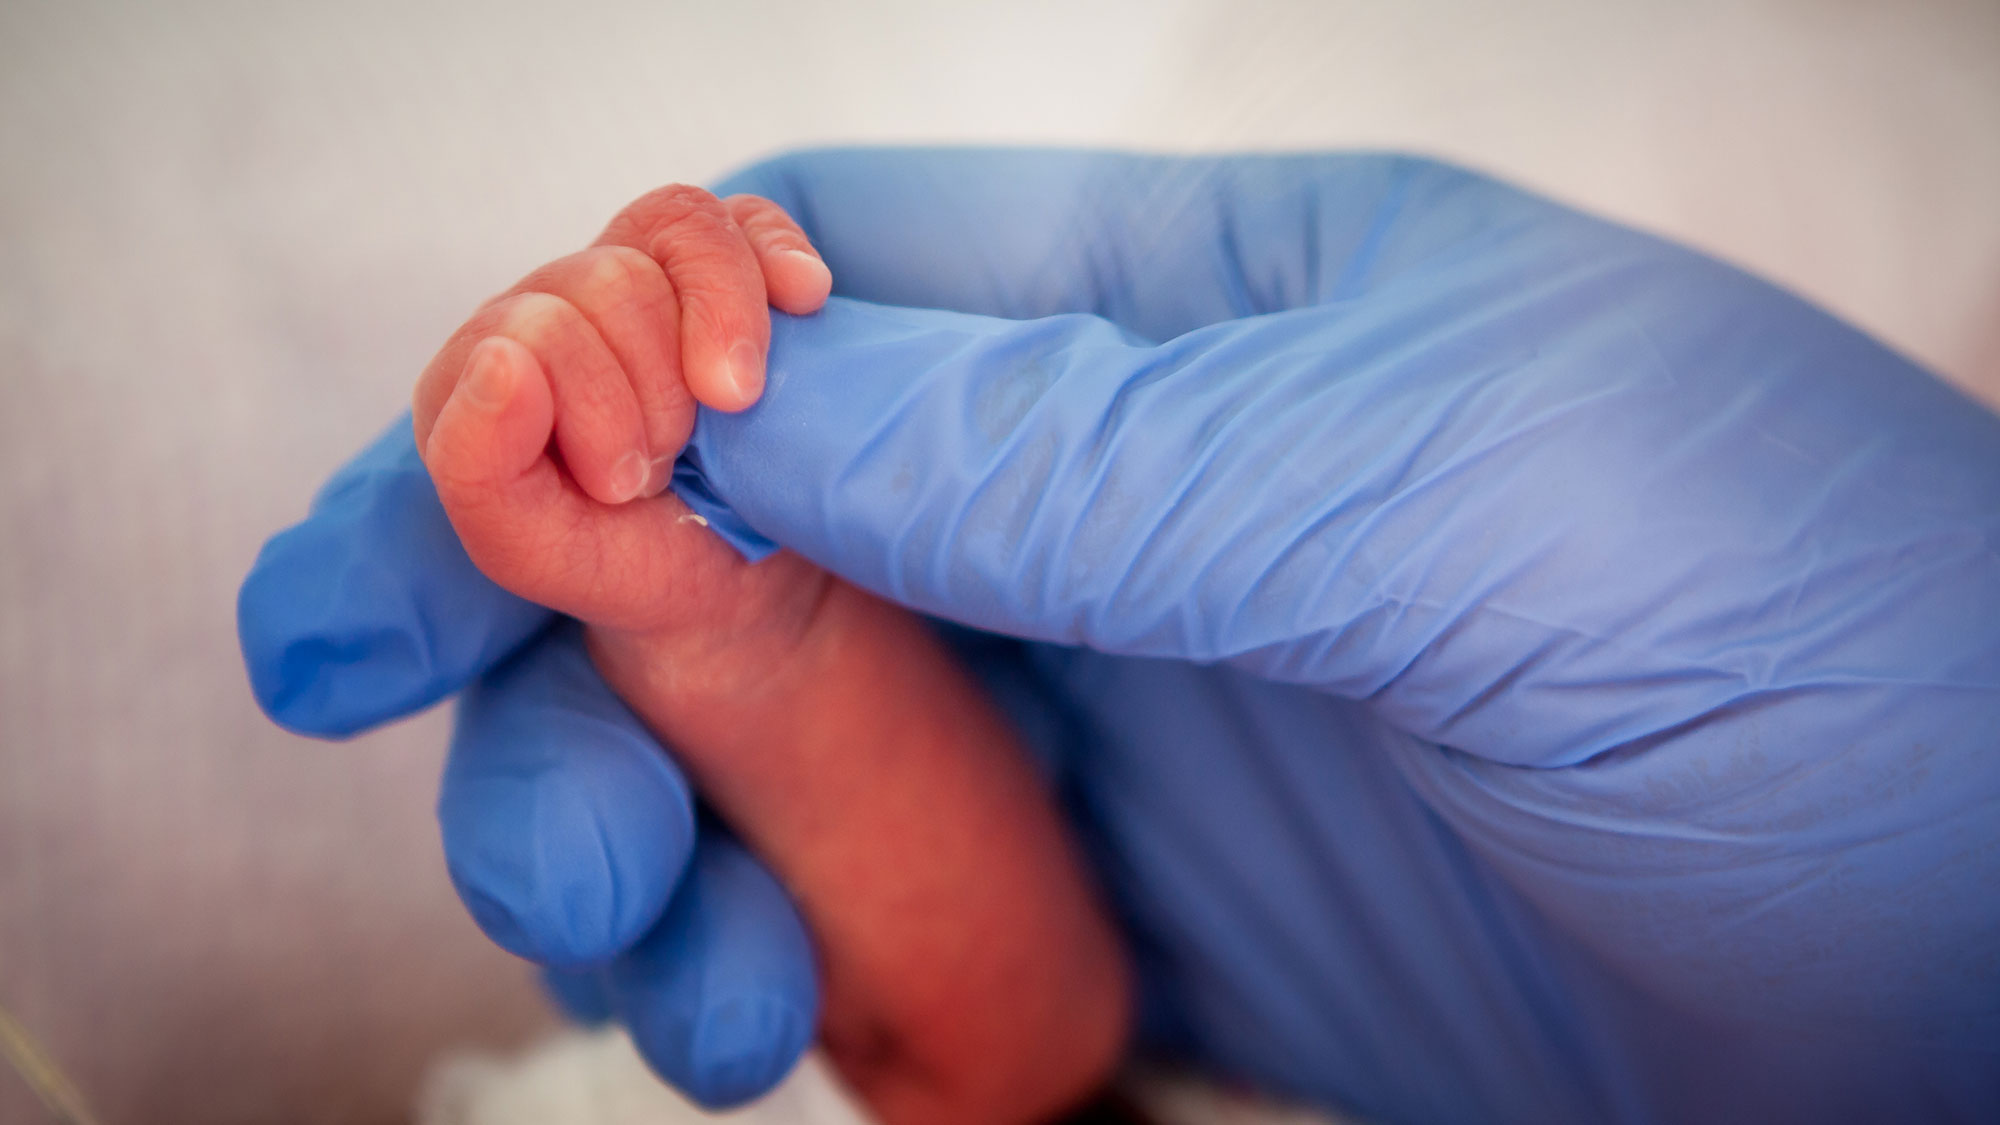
969	975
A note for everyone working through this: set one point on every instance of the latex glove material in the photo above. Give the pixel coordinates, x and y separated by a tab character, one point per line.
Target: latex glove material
369	609
1674	602
700	953
1480	473
571	838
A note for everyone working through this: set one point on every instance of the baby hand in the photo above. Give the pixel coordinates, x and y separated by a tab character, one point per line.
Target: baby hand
572	392
967	973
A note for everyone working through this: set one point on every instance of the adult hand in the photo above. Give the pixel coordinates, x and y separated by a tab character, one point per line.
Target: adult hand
1504	666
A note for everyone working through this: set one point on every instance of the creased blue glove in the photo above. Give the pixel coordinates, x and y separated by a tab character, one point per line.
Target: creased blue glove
1504	667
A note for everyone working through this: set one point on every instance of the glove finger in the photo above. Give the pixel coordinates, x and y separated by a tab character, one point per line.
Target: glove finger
1415	499
583	995
565	827
1159	245
368	609
1573	498
721	998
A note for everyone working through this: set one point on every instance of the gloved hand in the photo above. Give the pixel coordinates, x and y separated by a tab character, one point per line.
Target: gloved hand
1504	666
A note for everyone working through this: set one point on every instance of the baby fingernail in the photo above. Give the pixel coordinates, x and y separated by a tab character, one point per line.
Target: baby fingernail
628	477
662	473
746	372
800	259
488	381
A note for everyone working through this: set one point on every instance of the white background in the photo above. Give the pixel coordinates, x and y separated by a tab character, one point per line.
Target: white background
230	234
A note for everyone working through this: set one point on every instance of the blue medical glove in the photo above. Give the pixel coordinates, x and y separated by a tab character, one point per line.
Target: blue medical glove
1508	666
571	838
1521	670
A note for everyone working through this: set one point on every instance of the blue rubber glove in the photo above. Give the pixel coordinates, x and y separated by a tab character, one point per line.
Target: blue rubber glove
1503	666
569	836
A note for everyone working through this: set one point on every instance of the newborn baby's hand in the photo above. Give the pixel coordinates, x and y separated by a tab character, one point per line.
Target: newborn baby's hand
572	393
968	974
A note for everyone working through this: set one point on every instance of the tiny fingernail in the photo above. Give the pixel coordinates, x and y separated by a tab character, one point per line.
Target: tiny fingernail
746	372
628	477
488	382
662	473
810	259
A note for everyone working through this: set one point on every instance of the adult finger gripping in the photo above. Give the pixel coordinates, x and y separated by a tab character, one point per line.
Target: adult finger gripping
1564	690
1663	580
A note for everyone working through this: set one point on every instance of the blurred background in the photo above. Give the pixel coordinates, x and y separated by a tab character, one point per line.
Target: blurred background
231	234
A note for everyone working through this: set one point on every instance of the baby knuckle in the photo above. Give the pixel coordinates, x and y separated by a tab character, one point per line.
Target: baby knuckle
712	271
747	208
642	218
676	208
616	275
636	264
698	237
681	199
539	318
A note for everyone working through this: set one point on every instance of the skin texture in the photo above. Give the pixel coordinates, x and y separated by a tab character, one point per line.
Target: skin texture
969	975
